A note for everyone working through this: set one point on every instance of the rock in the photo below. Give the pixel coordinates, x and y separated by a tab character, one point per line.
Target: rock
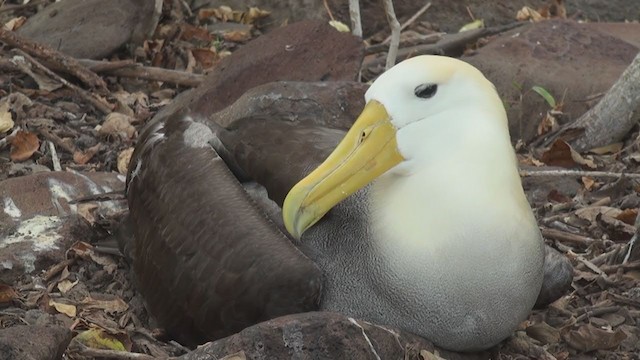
321	335
93	28
448	15
305	51
33	342
338	103
558	275
37	223
21	169
559	56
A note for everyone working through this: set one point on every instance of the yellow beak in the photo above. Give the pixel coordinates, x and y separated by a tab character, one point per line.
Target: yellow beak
367	151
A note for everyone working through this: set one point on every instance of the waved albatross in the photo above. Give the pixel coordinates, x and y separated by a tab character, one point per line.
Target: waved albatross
417	219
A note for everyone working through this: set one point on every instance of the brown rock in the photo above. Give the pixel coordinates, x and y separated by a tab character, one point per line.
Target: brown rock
37	223
557	55
305	51
321	335
92	28
33	342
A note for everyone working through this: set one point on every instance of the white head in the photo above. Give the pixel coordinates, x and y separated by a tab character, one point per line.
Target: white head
417	111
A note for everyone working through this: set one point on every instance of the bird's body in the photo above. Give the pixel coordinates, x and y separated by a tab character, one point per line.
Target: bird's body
429	230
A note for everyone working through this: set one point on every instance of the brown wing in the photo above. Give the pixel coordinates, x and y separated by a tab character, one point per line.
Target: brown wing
207	261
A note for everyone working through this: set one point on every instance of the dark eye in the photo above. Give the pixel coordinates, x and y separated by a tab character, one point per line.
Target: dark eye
426	91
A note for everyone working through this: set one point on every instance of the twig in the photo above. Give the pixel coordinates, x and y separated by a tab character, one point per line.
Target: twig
47	53
449	45
99	66
146	72
326	7
610	269
354	16
54	157
68	147
395	33
591	266
411	20
597	312
567	237
99	104
576	173
624	300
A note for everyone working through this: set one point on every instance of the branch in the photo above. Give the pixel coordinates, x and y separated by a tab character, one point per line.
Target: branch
577	173
612	118
395	33
354	15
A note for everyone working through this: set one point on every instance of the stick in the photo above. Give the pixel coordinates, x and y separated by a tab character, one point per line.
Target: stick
130	70
568	237
395	33
47	53
354	15
411	20
449	45
113	354
54	157
99	104
577	173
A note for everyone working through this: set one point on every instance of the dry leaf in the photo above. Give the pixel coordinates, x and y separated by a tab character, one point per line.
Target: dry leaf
83	157
7	294
474	25
591	213
23	145
527	13
117	124
116	305
562	154
628	216
124	158
66	285
87	210
190	32
589	183
15	23
67	309
225	13
100	339
340	26
589	338
607	149
6	118
205	57
239	36
549	123
427	355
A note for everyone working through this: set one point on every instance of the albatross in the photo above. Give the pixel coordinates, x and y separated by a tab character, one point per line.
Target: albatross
415	218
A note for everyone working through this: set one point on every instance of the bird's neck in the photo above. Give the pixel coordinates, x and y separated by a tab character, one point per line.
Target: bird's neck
453	195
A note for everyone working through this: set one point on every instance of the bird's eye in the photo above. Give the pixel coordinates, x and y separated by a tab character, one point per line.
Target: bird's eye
426	91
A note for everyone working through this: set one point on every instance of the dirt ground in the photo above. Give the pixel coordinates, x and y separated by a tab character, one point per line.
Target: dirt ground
589	217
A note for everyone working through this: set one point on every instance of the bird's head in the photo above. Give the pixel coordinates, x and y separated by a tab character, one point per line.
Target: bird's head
407	107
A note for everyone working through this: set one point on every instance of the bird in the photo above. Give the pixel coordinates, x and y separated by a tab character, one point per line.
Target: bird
412	216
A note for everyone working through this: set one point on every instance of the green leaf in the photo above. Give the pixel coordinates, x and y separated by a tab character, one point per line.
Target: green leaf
545	95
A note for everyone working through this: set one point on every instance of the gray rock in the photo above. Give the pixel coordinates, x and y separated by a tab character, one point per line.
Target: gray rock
92	28
322	335
37	222
560	56
33	342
